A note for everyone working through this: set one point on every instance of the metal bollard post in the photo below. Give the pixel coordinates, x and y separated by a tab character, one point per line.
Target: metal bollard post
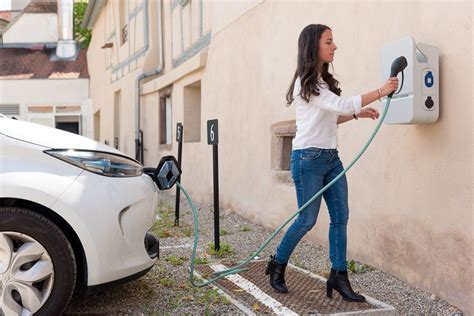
179	139
213	139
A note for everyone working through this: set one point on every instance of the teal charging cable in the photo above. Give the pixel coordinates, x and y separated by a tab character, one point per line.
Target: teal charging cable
240	267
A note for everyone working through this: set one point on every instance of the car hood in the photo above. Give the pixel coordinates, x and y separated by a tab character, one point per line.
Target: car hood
49	137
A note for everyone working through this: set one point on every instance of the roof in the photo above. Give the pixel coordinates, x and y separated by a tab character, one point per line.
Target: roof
24	63
39	6
6	15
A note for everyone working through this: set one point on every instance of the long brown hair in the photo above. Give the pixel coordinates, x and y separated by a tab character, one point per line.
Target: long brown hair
307	65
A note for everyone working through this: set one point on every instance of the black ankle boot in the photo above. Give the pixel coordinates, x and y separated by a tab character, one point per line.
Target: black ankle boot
339	281
277	275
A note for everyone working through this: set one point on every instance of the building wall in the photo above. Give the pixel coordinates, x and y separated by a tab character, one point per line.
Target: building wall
33	28
411	194
19	4
410	198
223	13
187	28
66	97
115	69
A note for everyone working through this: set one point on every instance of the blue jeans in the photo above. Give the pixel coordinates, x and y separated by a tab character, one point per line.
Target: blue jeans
311	169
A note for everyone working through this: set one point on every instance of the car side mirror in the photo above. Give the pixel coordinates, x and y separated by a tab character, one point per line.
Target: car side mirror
166	174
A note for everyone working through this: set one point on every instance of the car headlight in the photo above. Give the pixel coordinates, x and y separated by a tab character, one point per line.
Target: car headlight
103	163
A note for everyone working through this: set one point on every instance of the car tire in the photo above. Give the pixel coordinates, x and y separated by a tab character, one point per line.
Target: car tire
39	268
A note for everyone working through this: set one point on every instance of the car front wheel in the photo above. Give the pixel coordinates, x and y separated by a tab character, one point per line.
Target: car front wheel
37	264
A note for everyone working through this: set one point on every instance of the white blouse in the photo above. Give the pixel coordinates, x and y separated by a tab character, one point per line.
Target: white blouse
316	120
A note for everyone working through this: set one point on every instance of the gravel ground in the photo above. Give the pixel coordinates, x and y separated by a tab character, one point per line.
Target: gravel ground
166	288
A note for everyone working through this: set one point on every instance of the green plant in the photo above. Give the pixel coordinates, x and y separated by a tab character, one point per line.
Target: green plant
174	302
161	232
224	249
245	228
356	267
188	231
224	300
223	232
209	297
164	227
200	260
175	260
168	282
82	35
161	270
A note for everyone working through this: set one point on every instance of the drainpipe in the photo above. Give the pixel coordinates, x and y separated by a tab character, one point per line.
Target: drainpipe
139	152
66	44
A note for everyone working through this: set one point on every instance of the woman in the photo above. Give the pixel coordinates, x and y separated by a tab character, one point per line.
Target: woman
319	109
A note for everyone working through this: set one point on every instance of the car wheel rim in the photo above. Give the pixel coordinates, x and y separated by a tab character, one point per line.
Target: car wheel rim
26	274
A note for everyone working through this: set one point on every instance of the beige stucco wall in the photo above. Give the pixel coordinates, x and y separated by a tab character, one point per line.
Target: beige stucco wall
411	194
33	28
223	13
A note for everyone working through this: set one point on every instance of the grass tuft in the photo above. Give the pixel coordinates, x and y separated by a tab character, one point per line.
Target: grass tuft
225	249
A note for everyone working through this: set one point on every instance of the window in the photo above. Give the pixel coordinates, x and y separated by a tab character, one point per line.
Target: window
192	112
186	24
10	110
41	114
165	117
64	117
41	109
184	29
68	109
68	123
282	138
165	121
285	152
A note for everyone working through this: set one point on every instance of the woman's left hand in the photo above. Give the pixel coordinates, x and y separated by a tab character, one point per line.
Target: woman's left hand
369	113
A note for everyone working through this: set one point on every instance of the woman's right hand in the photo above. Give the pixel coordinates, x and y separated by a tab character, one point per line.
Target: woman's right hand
390	86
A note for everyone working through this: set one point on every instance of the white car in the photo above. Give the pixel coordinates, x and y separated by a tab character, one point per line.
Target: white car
73	213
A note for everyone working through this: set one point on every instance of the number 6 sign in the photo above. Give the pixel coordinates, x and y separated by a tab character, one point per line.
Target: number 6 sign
212	132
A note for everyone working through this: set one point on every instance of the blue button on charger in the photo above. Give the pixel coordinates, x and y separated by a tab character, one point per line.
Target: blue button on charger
429	80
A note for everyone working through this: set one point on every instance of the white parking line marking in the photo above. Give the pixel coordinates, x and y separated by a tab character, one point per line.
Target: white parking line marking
239	305
256	292
177	246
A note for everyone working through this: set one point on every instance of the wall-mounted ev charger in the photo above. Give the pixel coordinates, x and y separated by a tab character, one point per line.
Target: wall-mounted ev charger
418	100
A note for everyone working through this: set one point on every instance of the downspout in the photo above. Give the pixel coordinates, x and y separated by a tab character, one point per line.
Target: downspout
139	152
